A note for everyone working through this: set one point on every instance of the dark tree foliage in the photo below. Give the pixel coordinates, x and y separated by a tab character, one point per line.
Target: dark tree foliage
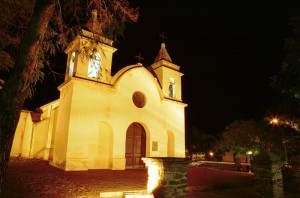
287	80
242	136
31	33
287	83
198	140
19	78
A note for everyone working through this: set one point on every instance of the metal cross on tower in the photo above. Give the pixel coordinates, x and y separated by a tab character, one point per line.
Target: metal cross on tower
139	57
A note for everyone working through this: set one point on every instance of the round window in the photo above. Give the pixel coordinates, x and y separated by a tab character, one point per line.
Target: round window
139	99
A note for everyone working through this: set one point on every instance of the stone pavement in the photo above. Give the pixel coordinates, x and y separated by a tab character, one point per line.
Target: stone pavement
32	178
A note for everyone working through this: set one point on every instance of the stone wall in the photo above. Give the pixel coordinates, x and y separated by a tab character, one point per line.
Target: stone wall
170	175
295	163
268	175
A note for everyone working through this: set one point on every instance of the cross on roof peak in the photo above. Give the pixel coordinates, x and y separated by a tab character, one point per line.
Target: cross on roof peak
139	57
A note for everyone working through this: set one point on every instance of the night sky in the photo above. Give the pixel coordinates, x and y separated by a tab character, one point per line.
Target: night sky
227	50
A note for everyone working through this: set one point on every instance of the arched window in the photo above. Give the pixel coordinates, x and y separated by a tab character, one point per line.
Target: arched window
94	65
172	87
72	63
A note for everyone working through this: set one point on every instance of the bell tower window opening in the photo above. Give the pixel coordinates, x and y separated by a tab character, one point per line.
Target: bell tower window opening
172	87
94	65
72	63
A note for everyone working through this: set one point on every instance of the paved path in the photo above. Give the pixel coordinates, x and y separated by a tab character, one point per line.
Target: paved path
36	178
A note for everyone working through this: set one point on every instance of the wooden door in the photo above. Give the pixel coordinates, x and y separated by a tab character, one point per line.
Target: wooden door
135	146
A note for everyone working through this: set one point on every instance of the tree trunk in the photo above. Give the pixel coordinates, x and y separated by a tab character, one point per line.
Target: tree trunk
15	91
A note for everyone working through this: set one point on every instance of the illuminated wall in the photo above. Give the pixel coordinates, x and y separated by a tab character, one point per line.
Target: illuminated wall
22	139
34	133
39	139
86	127
100	114
62	127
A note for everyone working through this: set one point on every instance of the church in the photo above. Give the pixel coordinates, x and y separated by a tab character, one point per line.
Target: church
102	121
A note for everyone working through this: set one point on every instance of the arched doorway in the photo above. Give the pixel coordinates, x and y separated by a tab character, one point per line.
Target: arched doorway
135	146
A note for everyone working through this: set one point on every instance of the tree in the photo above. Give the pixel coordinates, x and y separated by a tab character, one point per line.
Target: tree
16	87
287	83
287	80
198	140
30	36
284	132
240	137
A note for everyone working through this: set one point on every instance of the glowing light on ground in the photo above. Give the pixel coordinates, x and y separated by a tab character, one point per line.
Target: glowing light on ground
138	194
127	194
155	172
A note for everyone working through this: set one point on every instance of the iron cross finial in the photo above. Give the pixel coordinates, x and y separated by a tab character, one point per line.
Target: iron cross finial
139	57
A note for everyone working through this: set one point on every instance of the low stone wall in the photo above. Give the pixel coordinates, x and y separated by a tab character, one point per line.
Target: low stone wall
268	175
295	163
171	176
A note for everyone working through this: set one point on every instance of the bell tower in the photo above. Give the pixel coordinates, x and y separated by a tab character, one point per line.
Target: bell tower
90	54
167	74
87	77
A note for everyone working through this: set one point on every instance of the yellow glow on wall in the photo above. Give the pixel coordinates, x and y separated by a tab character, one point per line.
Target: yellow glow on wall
153	179
87	127
154	176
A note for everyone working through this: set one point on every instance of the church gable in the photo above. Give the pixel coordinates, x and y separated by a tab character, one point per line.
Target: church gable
137	78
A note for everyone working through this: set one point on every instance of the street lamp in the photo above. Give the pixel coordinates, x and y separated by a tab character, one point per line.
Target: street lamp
276	121
249	153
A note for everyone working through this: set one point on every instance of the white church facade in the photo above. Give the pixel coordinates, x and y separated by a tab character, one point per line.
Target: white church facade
102	121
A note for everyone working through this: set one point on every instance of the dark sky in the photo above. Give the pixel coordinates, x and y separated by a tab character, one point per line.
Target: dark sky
227	50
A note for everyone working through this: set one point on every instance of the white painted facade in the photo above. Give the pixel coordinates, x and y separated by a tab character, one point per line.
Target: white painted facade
87	127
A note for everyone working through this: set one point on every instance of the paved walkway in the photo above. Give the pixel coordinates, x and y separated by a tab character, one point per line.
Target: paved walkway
32	178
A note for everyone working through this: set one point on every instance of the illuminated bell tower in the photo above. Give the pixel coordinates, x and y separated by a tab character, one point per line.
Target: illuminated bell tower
167	74
89	65
90	55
